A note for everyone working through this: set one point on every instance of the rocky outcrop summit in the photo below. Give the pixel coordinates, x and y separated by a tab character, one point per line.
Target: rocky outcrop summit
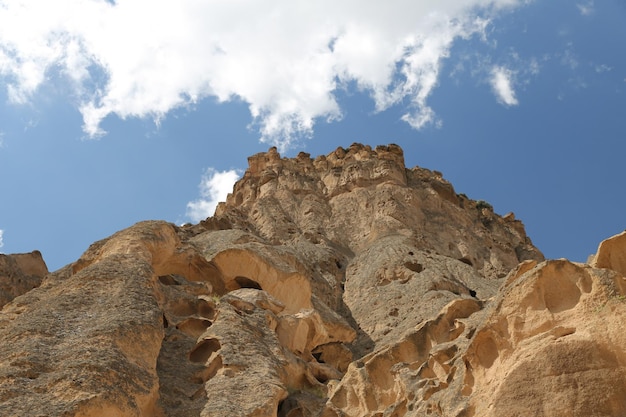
345	285
20	273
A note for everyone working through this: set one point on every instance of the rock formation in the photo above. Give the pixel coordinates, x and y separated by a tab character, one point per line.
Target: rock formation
345	285
20	273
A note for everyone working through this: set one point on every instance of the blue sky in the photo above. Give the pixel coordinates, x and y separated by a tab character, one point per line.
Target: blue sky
116	112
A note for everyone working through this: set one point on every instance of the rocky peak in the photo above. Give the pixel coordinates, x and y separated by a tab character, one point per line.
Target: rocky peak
20	273
353	196
345	285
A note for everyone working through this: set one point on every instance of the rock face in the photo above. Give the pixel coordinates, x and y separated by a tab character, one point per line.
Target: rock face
345	285
20	273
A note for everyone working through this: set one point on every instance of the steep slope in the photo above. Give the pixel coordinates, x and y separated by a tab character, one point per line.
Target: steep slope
345	285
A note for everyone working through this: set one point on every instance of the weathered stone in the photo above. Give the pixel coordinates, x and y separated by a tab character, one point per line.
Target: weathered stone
345	285
20	273
612	254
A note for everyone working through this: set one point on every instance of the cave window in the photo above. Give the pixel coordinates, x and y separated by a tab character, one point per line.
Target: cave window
245	282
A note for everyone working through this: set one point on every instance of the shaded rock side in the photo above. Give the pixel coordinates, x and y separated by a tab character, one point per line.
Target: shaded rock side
20	273
345	285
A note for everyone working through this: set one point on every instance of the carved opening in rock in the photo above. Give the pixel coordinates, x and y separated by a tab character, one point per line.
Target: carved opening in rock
338	264
291	407
188	267
245	282
323	373
194	326
209	372
205	309
290	287
335	354
466	261
165	322
183	307
168	280
472	293
411	253
414	266
241	306
203	350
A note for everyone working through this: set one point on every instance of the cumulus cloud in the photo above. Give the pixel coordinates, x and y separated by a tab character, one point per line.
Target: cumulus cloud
1	238
285	59
502	84
214	187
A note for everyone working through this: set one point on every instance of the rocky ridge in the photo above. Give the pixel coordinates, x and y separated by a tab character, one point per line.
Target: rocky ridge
344	285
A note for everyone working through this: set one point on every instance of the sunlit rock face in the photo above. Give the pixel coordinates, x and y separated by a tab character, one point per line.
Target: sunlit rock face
342	285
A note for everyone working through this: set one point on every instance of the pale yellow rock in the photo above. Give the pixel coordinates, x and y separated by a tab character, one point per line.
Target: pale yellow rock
341	285
553	345
612	254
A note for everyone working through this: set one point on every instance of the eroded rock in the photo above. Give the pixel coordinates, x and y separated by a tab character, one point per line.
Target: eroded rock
344	285
20	273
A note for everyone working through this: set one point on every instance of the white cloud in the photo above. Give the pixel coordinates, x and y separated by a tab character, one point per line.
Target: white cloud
214	187
586	9
502	84
1	236
285	59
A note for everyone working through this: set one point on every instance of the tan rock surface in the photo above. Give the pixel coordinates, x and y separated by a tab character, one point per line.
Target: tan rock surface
20	273
612	254
345	285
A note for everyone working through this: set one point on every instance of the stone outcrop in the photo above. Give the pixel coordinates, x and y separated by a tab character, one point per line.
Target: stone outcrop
345	285
612	254
20	273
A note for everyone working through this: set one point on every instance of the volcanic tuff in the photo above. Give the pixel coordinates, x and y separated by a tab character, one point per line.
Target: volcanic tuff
345	285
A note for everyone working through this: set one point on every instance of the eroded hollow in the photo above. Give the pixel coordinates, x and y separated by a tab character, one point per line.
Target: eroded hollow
318	356
203	350
193	326
209	372
169	279
290	287
245	282
205	309
486	350
414	266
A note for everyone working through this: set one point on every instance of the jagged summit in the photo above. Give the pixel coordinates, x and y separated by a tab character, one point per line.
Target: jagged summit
353	197
342	285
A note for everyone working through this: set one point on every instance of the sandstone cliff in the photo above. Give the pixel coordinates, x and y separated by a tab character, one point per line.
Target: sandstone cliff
20	273
345	285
